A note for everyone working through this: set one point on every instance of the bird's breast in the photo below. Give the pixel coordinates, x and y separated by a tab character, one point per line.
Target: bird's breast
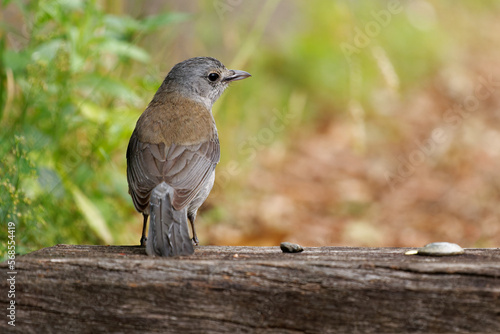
176	121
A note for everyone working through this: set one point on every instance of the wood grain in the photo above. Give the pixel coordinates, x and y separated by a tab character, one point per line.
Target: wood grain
91	289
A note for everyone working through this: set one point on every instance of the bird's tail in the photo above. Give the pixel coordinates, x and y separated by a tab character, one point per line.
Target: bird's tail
168	232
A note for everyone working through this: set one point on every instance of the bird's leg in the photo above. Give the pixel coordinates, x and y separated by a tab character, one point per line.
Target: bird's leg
143	238
192	217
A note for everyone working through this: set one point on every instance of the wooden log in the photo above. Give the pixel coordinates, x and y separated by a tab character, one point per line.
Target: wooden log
94	289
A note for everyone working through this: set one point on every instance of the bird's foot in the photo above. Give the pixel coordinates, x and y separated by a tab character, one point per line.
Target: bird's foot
195	241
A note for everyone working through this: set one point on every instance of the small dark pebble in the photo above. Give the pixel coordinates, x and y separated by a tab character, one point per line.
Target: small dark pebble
288	247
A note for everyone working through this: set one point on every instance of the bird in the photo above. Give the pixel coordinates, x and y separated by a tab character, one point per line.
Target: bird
173	152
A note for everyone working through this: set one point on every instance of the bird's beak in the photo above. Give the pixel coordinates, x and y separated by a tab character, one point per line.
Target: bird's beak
235	75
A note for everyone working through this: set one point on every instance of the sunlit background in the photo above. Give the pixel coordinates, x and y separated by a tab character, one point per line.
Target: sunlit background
365	123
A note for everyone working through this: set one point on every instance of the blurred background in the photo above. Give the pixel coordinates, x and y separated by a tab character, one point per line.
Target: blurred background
365	123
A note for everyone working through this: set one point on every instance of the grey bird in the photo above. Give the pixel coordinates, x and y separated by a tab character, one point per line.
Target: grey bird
173	151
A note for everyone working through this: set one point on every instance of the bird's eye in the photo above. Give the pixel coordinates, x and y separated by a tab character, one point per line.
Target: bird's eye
213	76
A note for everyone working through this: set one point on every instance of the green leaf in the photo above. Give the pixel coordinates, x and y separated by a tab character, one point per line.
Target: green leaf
47	51
92	215
121	24
125	49
157	21
93	112
108	86
71	5
50	181
16	61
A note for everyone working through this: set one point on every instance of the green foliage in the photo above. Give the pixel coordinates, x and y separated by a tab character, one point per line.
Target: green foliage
16	170
69	104
74	79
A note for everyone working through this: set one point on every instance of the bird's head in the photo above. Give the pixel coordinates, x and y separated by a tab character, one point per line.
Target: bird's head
202	78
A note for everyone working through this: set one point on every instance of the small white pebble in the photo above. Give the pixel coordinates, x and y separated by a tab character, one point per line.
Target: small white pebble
438	249
412	252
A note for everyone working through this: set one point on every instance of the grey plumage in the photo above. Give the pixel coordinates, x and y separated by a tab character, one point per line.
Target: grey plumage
168	231
173	151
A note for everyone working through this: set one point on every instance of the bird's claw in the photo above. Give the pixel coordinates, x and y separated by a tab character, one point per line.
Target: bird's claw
195	241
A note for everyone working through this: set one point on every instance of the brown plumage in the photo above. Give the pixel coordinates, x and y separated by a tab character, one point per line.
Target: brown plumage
173	152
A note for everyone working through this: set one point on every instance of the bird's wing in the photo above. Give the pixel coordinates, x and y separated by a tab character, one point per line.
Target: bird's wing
184	167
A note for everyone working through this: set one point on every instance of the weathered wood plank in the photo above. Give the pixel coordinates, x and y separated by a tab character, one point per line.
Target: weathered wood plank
254	289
